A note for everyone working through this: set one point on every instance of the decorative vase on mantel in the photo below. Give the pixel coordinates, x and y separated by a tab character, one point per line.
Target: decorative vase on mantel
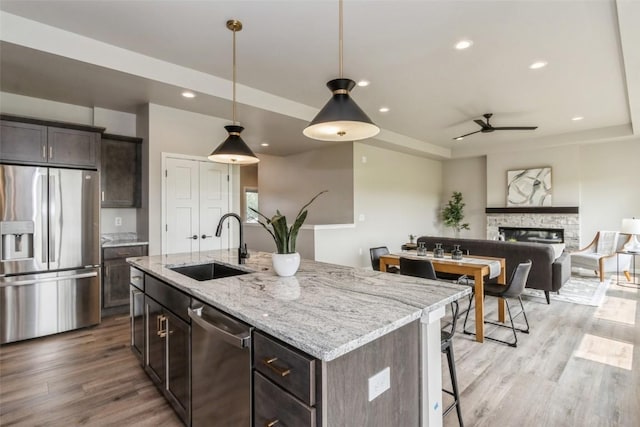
285	265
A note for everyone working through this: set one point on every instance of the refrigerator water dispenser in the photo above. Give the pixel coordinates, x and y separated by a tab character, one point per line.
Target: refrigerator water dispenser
17	240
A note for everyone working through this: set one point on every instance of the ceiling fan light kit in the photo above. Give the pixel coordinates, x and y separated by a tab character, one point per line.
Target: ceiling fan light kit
341	119
234	150
486	127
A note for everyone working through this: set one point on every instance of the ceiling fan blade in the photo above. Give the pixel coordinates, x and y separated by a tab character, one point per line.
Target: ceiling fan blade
482	124
516	128
467	134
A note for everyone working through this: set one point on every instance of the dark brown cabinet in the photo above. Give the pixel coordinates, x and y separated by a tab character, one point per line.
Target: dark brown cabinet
136	288
286	389
33	141
121	167
168	337
115	277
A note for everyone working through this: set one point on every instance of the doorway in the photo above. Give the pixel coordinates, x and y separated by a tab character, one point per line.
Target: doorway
196	194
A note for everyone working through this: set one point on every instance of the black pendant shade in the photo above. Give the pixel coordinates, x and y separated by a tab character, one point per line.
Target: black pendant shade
233	150
341	119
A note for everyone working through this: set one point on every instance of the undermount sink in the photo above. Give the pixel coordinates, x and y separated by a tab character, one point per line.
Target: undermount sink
209	271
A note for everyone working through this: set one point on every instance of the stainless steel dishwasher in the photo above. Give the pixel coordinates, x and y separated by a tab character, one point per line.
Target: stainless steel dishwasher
220	368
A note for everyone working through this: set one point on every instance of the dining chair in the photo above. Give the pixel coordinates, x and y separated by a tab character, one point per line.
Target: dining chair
424	268
446	346
417	268
513	290
375	254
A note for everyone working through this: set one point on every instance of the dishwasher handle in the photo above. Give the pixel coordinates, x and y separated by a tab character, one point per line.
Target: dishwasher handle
240	340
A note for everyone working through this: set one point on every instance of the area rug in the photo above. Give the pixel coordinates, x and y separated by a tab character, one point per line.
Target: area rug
585	289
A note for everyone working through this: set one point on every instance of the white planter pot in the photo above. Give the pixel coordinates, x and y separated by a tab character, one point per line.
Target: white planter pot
285	265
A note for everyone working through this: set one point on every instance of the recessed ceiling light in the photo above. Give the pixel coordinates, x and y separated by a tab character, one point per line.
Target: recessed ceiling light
463	44
384	109
364	83
538	64
577	118
265	144
188	94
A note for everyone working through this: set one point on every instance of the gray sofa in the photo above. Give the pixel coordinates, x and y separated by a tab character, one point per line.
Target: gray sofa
547	274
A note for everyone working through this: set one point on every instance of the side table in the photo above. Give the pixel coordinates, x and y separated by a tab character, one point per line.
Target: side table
634	276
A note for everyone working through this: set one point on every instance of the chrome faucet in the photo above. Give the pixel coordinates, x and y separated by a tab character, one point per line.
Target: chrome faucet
242	250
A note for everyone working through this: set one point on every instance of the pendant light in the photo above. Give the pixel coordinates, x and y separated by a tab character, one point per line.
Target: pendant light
341	119
234	150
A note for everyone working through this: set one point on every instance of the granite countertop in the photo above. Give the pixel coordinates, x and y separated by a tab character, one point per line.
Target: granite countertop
325	310
112	240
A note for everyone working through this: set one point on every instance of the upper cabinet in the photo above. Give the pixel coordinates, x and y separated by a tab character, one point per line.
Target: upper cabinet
121	171
33	141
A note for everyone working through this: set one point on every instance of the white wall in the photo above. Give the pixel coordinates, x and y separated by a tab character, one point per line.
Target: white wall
108	217
395	194
565	173
181	132
609	186
43	109
287	183
601	179
468	176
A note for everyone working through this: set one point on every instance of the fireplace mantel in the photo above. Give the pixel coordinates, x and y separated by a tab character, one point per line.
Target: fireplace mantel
534	210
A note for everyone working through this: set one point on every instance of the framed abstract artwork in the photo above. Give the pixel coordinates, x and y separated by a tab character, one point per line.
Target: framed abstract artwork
529	187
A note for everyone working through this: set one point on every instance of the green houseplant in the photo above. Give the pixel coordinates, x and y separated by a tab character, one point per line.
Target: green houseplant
285	237
453	214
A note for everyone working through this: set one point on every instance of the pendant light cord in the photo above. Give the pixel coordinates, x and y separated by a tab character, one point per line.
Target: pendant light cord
234	76
340	37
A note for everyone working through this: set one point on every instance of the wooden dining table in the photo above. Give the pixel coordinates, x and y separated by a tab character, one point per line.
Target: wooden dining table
475	269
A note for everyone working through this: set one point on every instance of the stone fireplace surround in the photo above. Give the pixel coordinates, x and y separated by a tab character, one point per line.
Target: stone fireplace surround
567	218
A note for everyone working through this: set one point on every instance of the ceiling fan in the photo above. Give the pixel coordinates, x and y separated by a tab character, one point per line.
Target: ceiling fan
486	127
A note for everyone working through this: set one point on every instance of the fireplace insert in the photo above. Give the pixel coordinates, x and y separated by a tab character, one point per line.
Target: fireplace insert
532	235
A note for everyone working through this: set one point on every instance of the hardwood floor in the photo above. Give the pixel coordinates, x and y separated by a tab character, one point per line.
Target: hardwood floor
85	377
579	366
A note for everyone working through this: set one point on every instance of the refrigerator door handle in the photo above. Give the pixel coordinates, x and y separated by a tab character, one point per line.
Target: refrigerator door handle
49	279
53	210
44	218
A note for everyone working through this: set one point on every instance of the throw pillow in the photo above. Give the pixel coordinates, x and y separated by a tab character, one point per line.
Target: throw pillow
607	242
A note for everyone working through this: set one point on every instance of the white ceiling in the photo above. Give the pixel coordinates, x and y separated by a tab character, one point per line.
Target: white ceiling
122	54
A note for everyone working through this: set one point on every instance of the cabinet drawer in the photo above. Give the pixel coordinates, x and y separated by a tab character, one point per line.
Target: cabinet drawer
124	252
290	369
136	278
168	296
274	407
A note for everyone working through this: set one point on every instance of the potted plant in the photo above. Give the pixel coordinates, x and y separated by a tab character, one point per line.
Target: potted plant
285	260
453	214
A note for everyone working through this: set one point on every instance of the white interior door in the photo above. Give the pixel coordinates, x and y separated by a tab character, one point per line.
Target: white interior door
196	196
214	202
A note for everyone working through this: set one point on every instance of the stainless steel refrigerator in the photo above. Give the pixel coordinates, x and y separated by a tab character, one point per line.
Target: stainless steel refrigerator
49	251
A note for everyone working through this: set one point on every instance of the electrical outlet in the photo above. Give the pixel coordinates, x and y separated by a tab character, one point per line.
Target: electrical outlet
361	217
360	251
118	221
379	383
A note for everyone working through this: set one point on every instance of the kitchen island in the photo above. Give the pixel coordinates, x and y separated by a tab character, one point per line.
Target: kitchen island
376	336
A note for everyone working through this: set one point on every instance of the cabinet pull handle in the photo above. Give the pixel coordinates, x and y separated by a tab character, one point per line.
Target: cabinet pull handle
204	236
51	151
283	372
161	329
194	237
44	152
103	196
272	423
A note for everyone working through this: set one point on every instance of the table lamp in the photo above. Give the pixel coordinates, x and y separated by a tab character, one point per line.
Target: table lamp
632	226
